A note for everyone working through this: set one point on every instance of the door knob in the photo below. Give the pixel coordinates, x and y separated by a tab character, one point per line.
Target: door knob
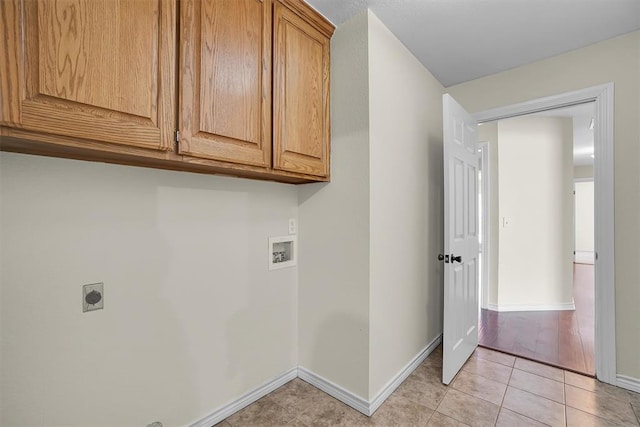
456	258
443	257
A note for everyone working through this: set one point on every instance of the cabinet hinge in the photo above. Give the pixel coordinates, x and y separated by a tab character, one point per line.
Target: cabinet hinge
176	137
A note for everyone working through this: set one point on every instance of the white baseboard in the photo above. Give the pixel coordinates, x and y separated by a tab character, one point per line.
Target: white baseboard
395	382
358	403
524	307
246	399
629	383
345	396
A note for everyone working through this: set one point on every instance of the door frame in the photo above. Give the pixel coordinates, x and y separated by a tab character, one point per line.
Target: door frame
603	176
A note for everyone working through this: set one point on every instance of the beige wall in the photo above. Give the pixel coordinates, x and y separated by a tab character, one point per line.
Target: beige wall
405	129
618	61
536	246
334	228
193	318
489	132
368	276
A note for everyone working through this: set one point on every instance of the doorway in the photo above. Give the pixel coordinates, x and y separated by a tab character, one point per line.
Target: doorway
541	302
603	272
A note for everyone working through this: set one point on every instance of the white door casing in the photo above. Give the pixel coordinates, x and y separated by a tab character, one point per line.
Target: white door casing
605	312
461	162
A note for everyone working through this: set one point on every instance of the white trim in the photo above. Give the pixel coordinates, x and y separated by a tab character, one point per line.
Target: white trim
486	224
359	403
529	307
605	327
395	382
587	179
246	399
345	396
629	383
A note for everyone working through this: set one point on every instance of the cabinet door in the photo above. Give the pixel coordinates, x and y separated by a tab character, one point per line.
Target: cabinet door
225	80
301	95
93	69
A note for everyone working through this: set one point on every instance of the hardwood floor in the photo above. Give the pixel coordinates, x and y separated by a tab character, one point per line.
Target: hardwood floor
560	338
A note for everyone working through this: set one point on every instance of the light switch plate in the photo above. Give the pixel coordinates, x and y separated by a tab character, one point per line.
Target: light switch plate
92	297
293	226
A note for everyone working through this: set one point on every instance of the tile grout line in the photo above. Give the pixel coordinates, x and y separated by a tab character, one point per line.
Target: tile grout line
564	397
505	392
637	412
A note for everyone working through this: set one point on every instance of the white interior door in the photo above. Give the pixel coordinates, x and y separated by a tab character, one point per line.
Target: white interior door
461	245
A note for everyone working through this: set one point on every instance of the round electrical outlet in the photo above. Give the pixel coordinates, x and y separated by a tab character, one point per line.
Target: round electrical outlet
93	297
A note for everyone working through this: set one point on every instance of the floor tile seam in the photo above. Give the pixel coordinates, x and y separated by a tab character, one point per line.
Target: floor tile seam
450	416
564	408
538	395
564	396
443	397
505	391
433	411
477	397
529	372
540	376
482	398
601	394
440	403
484	376
595	415
523	415
637	412
495	361
429	419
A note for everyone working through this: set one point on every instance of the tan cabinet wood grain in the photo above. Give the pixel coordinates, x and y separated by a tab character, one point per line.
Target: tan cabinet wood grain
301	94
245	83
101	70
225	80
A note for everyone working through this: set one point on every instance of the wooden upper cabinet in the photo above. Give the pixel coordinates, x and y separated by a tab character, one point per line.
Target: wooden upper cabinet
301	94
225	80
244	82
92	69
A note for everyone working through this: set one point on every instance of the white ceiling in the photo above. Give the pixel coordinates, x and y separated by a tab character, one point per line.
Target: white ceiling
462	40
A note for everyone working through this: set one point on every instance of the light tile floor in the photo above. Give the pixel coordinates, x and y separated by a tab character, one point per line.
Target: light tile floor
493	389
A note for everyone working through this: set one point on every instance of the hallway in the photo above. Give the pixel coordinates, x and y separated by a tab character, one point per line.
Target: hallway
560	338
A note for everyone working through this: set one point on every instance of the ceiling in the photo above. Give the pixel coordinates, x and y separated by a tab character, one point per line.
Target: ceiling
462	40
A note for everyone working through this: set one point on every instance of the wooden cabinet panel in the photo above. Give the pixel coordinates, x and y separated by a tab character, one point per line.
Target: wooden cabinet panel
96	80
97	69
225	80
10	63
301	95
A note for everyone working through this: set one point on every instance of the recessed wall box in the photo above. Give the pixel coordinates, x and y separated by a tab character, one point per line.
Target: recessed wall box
283	252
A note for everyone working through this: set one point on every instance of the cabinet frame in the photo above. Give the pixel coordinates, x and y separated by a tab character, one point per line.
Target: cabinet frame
125	146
